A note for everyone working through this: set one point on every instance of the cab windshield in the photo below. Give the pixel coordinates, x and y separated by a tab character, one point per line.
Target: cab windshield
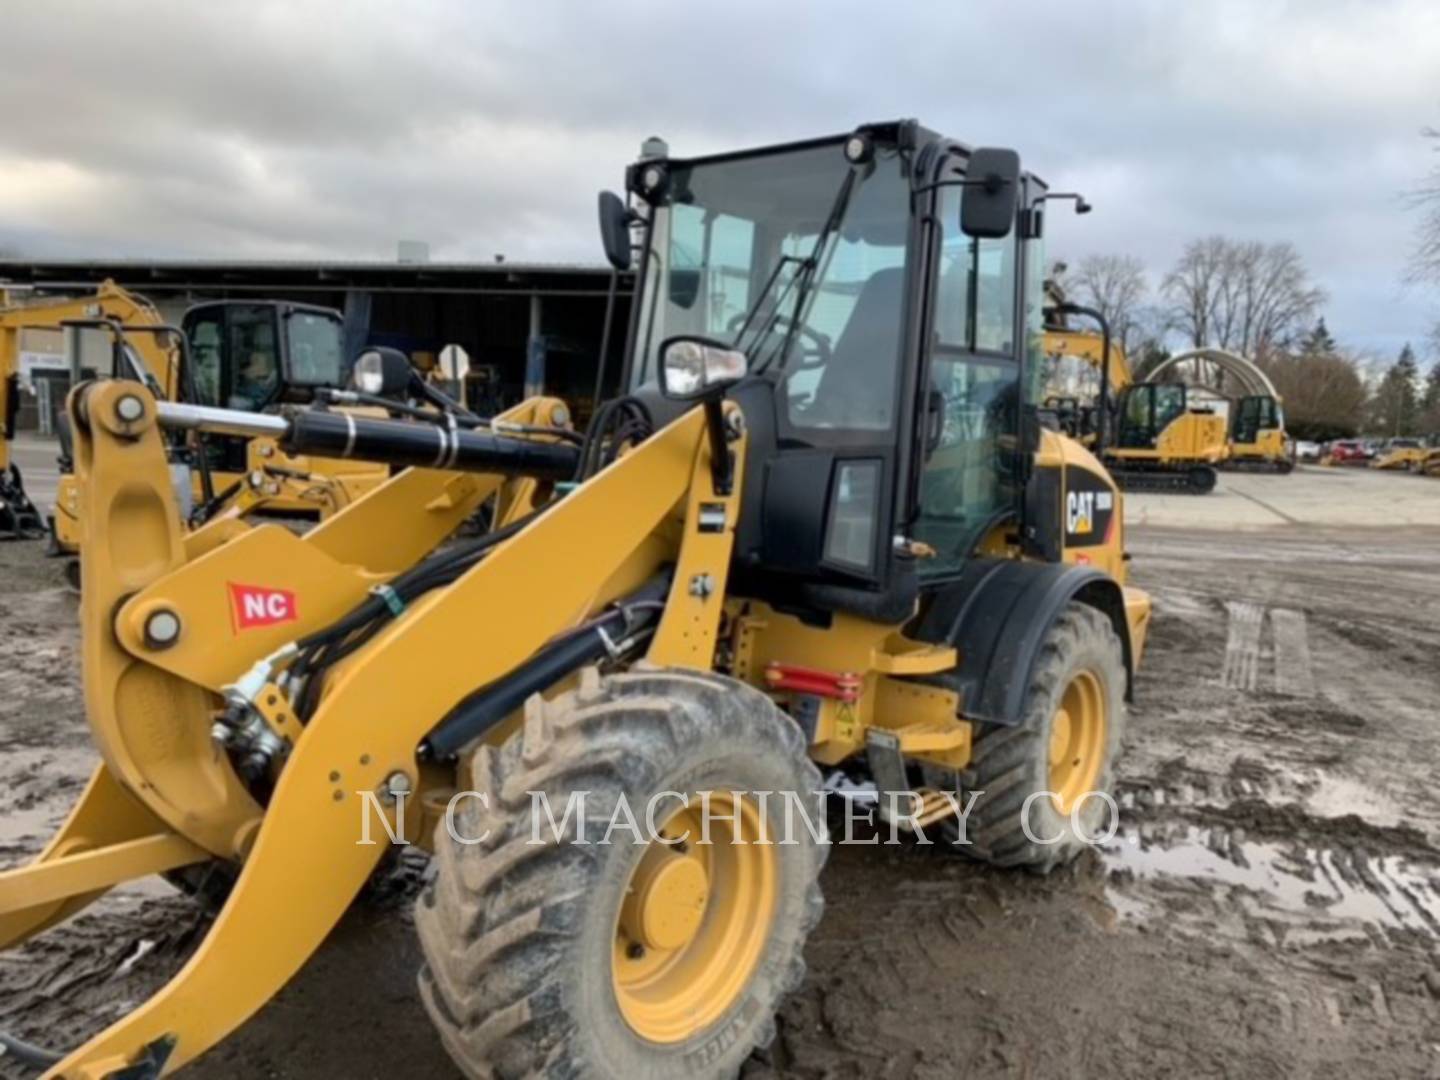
316	355
799	261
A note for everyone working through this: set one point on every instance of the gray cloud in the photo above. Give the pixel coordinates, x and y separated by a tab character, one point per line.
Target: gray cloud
299	130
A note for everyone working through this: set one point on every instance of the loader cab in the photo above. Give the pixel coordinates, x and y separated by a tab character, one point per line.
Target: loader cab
886	347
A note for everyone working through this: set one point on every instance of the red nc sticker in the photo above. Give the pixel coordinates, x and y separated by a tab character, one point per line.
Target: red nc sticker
255	605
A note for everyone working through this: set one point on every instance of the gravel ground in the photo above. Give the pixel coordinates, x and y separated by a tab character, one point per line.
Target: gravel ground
1270	907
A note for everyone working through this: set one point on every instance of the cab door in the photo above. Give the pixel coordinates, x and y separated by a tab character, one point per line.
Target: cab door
969	477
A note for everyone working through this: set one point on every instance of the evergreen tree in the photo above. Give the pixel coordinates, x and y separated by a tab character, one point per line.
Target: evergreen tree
1318	342
1430	403
1395	408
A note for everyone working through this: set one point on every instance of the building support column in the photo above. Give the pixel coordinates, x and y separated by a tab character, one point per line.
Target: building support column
535	350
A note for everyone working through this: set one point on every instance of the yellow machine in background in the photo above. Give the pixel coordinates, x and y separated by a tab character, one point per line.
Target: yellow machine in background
1148	435
249	355
1162	443
1408	455
1258	439
753	566
21	317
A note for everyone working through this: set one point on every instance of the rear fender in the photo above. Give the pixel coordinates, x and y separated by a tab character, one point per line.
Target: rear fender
997	615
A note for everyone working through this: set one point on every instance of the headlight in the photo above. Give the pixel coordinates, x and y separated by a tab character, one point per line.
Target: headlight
690	366
381	371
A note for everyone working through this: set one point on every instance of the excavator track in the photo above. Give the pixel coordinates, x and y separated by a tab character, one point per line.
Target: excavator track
1195	480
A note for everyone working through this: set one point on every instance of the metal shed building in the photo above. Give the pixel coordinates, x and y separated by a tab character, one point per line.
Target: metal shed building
538	325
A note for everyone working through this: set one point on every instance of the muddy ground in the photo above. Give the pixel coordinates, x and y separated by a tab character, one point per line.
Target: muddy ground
1271	906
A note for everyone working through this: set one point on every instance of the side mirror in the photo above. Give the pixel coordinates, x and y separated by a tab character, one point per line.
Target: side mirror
692	368
615	230
382	372
991	194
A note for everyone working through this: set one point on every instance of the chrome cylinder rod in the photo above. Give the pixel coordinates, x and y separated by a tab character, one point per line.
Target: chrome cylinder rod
173	414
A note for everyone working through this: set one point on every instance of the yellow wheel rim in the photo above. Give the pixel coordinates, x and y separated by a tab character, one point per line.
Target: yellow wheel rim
1077	740
694	921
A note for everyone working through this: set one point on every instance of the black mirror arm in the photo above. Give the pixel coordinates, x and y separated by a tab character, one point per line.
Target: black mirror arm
992	183
1082	206
722	466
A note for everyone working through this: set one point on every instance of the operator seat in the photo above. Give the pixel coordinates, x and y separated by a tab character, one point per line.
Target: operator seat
848	394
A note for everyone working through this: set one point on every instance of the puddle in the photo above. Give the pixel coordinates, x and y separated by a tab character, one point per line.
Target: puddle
1320	884
1336	796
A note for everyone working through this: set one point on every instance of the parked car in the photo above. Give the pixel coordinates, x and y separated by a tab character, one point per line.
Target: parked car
1305	450
1348	452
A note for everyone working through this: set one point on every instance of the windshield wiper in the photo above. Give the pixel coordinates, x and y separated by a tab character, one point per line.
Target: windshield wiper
764	292
804	281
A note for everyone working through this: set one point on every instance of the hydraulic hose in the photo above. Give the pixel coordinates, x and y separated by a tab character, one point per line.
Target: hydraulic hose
480	712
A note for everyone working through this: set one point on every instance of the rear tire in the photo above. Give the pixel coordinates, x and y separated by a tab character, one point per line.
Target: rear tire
1011	764
525	949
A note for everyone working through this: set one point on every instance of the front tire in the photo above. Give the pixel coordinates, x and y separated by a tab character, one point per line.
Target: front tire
559	959
1066	743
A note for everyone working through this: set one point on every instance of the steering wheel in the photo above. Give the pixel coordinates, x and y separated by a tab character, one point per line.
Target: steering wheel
814	353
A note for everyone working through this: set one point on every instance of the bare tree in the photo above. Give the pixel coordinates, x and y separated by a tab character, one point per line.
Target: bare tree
1425	265
1115	285
1249	298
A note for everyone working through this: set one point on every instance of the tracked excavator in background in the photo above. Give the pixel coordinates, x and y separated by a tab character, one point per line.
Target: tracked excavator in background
1148	433
1256	439
822	529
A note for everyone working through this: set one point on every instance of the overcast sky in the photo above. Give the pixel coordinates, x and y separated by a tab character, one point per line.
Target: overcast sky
251	130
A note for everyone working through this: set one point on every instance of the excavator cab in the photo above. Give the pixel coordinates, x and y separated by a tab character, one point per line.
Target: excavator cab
1146	410
253	356
250	356
1252	415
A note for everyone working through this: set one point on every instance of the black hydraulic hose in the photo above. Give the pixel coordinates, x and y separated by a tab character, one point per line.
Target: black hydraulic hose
393	442
328	646
480	712
28	1053
604	356
206	510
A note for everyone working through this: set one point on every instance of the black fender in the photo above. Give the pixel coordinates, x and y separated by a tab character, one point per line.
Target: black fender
997	614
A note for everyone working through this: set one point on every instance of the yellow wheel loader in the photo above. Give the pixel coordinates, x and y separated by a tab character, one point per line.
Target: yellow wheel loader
822	529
